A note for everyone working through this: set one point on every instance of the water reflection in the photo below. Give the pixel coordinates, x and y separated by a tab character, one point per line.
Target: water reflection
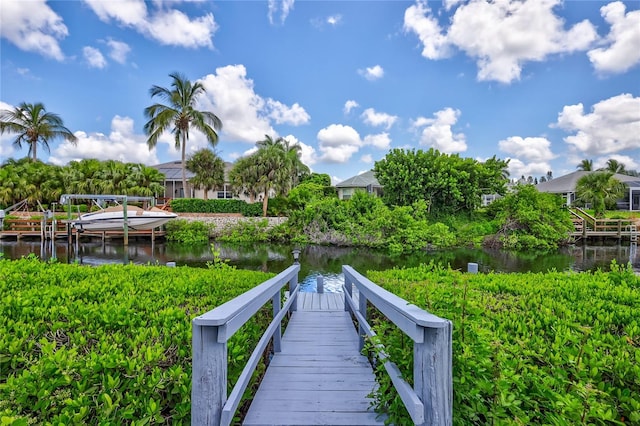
316	260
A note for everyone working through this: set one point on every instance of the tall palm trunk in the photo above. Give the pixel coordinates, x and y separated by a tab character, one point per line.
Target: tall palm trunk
184	166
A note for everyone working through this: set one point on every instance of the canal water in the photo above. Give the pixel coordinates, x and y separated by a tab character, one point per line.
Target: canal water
321	260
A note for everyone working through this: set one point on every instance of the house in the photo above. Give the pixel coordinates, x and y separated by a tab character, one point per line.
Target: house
173	182
566	186
364	182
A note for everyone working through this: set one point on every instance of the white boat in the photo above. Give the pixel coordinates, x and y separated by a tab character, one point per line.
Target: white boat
112	219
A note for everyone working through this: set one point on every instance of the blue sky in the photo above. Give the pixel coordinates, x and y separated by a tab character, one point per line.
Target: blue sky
544	83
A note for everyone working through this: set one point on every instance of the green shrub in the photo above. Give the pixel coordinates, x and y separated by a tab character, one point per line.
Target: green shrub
110	344
554	348
187	232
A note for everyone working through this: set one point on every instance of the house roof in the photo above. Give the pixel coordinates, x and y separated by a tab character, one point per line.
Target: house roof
567	183
360	181
173	170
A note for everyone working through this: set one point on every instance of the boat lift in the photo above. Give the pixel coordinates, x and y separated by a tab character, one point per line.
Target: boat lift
65	199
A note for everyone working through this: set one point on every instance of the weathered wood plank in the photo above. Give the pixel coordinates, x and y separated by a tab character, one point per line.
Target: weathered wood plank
319	377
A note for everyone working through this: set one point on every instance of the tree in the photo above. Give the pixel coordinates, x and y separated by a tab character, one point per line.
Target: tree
244	177
529	219
34	125
599	189
585	165
447	183
614	166
274	170
321	179
180	115
208	169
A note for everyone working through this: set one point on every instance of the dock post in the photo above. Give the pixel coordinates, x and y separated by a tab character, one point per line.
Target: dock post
209	376
433	376
319	284
126	222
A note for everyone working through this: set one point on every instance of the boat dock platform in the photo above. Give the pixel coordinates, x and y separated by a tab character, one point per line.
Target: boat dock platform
17	229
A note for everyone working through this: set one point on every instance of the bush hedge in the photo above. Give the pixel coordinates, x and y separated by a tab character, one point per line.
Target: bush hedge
196	205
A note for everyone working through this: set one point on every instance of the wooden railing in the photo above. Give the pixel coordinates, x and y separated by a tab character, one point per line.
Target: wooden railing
430	401
210	404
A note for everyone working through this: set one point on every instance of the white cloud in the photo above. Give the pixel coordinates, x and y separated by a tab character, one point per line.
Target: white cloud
612	126
174	28
36	28
367	158
380	141
245	115
280	113
231	97
121	144
349	105
502	36
438	132
94	58
280	6
338	143
517	168
532	149
119	50
373	118
334	20
622	44
372	73
417	20
629	162
126	12
307	153
6	140
167	26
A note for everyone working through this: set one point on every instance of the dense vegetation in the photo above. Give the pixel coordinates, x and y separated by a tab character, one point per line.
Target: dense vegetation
554	348
530	220
447	183
525	219
36	181
110	344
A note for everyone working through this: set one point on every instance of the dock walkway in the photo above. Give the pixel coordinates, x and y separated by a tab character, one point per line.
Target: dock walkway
319	377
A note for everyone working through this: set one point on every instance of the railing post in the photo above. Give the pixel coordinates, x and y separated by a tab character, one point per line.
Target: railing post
348	287
362	308
209	376
277	335
293	283
432	375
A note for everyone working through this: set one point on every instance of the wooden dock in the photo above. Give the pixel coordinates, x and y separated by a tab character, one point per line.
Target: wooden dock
319	377
17	229
317	374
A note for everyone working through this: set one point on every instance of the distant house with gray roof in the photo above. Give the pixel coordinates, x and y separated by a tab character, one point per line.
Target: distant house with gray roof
566	186
363	182
173	182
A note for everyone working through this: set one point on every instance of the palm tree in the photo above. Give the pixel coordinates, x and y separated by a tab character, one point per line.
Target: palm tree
585	165
614	166
180	115
208	169
34	125
244	177
298	170
599	189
